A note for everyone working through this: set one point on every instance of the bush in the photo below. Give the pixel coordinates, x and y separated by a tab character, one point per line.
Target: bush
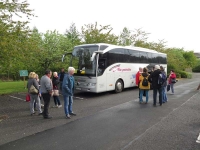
178	75
185	74
189	76
196	69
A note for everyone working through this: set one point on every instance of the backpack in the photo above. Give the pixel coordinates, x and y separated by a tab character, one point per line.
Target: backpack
173	80
145	82
161	78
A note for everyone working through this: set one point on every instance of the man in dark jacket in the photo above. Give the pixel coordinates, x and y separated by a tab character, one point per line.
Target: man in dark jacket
153	78
61	76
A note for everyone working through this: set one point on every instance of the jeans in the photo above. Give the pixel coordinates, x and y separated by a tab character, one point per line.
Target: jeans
172	87
46	97
61	85
155	90
35	99
141	95
68	101
56	100
164	95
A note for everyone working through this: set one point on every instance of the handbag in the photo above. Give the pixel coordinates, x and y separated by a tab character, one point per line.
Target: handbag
168	87
28	98
55	92
173	80
33	90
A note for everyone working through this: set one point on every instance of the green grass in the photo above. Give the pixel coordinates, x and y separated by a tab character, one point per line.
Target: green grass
12	87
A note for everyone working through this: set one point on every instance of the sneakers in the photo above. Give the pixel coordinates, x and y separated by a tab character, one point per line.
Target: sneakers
68	117
72	114
56	106
33	114
40	114
59	106
48	117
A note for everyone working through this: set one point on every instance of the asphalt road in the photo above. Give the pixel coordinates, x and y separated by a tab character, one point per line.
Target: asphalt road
107	121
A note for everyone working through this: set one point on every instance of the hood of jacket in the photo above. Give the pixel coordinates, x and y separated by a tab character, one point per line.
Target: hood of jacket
145	74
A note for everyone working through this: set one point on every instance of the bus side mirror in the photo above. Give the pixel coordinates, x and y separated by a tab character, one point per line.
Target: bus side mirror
63	56
94	54
92	58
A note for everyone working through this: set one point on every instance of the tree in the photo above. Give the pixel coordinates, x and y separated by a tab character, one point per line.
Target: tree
13	32
175	59
139	36
190	58
73	35
91	34
125	38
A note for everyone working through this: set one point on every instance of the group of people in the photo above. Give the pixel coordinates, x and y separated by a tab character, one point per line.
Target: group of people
153	84
47	87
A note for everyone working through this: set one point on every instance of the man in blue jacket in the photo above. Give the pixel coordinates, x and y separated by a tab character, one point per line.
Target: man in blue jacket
68	92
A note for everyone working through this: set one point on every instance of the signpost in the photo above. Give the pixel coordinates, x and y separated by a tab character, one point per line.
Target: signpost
23	73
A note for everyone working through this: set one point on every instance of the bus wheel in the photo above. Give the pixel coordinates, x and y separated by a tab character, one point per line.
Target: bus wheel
118	86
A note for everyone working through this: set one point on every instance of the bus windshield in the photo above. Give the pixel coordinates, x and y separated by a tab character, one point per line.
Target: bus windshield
81	60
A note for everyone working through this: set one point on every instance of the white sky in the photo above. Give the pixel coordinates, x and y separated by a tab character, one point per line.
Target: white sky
175	21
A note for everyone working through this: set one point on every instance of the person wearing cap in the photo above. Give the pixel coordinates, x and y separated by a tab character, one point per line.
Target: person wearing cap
153	79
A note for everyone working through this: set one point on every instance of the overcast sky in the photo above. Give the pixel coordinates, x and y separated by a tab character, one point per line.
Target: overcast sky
175	21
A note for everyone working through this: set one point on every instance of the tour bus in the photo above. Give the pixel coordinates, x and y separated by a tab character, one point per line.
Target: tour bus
104	67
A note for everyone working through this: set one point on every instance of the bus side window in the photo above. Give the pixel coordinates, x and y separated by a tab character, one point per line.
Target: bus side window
102	66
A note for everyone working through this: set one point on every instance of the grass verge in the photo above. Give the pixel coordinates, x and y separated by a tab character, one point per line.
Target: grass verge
12	87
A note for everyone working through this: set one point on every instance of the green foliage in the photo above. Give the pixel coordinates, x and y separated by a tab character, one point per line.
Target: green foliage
190	58
178	75
185	74
73	35
189	76
196	69
170	67
125	38
175	59
14	34
91	34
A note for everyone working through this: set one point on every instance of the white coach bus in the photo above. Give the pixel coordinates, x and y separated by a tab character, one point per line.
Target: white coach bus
103	67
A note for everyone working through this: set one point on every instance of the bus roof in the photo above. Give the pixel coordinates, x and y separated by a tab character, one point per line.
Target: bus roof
111	46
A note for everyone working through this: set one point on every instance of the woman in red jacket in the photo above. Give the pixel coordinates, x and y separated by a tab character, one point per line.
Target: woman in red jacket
172	80
137	81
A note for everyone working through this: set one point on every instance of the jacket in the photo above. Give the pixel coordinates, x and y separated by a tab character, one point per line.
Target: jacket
142	76
153	78
46	84
33	82
171	76
55	82
165	83
68	85
137	76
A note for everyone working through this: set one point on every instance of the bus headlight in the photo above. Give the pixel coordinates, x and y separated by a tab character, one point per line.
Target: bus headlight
91	84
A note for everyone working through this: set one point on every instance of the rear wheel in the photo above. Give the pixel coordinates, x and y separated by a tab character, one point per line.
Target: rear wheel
119	86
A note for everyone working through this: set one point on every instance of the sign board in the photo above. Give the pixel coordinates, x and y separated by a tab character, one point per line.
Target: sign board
23	73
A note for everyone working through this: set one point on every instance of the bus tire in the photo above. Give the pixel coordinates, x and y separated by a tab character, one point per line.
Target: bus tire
119	86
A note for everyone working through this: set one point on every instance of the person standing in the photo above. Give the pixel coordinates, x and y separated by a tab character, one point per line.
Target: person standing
55	82
137	81
172	77
46	91
34	97
68	92
144	88
153	78
61	76
164	95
